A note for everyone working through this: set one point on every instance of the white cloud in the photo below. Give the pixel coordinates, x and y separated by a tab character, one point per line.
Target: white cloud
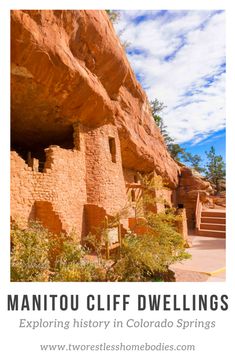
194	42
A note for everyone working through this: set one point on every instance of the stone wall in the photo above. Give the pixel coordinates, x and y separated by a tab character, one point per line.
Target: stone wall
190	184
71	84
69	67
90	174
63	184
164	199
104	174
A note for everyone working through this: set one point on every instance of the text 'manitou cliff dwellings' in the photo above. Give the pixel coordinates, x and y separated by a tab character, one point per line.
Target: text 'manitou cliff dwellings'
81	127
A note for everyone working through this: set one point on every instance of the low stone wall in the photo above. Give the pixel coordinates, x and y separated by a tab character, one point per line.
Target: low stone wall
62	185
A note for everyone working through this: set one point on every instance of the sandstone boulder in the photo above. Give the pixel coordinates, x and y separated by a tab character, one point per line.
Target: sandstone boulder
191	182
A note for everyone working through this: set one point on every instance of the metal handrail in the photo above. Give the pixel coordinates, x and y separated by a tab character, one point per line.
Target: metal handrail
198	212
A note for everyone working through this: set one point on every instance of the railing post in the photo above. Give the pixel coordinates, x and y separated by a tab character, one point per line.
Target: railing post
106	239
119	234
198	212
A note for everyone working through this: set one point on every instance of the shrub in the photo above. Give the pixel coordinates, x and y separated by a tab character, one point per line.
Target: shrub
38	256
73	266
79	272
136	262
29	255
147	257
171	245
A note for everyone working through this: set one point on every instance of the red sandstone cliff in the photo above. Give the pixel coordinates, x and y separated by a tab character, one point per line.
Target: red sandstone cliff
81	126
69	66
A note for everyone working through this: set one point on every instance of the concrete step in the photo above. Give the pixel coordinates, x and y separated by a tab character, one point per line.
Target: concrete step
211	233
213	220
213	226
216	214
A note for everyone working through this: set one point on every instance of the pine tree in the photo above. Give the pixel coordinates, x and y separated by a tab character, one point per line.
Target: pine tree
157	107
114	15
194	160
176	151
215	169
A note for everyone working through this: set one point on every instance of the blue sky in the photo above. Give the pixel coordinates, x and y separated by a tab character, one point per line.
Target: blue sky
217	139
179	58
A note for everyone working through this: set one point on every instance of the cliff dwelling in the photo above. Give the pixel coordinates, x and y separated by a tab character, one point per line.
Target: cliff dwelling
81	128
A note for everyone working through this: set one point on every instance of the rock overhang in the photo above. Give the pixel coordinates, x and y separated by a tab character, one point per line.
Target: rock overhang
69	66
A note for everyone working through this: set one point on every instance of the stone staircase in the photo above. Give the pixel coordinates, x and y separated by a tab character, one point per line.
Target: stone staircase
212	223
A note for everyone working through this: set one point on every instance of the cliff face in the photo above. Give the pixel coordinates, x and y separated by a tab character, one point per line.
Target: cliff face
68	67
190	184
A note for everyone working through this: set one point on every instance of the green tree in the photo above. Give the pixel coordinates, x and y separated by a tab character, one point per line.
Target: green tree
176	151
215	168
194	160
157	107
114	15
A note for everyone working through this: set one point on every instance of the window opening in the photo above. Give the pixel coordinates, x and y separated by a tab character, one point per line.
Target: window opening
112	149
136	179
133	199
34	154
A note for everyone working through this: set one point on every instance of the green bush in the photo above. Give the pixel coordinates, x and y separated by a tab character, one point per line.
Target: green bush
136	262
29	255
73	266
79	272
38	256
147	257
